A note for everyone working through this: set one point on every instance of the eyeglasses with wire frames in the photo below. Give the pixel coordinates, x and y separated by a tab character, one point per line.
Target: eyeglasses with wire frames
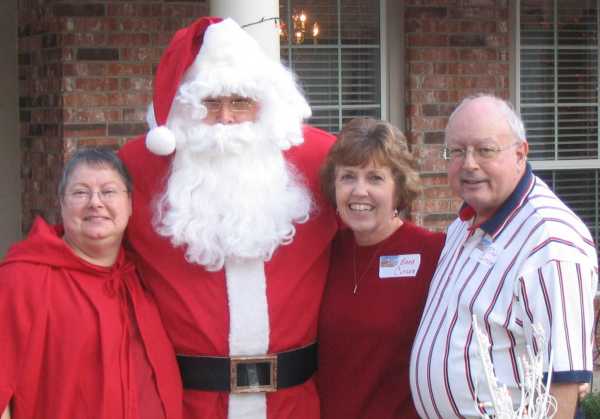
80	197
236	104
480	153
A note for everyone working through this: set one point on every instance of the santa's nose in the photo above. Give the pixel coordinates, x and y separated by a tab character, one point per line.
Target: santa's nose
225	114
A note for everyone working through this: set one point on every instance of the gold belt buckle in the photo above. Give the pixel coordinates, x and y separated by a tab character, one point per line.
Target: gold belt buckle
253	387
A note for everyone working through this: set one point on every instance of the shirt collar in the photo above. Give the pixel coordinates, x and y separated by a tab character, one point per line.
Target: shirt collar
494	225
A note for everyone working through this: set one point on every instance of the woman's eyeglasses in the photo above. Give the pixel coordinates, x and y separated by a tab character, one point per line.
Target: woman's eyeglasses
84	196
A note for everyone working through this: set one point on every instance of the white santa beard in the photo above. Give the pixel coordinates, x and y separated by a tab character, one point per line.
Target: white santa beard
238	198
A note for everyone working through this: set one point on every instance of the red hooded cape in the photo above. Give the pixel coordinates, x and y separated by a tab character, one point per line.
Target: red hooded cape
79	340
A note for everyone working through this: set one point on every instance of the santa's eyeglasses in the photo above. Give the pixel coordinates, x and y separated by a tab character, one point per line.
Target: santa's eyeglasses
234	104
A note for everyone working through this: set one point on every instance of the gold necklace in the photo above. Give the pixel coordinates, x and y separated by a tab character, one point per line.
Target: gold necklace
358	278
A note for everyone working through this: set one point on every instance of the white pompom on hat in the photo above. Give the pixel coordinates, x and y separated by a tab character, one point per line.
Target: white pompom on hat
214	57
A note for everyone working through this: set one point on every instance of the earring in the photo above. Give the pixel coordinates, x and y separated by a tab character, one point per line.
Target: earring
396	213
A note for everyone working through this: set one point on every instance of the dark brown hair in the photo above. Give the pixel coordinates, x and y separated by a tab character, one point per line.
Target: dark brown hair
366	140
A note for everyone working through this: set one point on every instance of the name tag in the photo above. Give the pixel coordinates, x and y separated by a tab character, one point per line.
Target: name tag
487	251
399	266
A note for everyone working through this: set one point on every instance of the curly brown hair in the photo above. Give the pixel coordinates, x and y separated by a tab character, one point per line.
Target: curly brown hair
365	140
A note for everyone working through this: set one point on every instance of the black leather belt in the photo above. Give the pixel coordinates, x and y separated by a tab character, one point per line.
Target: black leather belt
248	374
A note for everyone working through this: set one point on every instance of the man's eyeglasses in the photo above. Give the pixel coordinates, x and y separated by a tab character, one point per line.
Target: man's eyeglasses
236	105
84	196
480	153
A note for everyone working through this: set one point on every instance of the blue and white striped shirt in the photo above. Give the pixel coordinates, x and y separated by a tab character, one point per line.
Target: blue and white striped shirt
533	262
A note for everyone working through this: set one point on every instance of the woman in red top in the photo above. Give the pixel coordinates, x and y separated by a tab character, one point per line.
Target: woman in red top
381	269
79	335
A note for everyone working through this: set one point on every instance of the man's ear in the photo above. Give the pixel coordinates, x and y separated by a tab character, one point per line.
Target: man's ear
522	151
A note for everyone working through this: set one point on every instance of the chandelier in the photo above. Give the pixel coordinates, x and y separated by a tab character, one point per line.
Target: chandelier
300	23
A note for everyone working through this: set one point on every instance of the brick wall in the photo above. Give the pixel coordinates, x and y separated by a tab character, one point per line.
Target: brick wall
85	78
453	48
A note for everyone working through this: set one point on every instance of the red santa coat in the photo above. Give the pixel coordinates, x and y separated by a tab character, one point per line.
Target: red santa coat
69	344
194	302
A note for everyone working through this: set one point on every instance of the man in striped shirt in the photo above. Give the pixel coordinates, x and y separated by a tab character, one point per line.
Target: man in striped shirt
515	257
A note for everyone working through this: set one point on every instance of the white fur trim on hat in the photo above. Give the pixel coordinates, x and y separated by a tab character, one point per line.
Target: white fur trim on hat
160	141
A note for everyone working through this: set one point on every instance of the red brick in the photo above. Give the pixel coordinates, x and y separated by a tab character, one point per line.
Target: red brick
126	129
91	115
82	100
427	40
477	82
426	12
127	24
421	68
141	54
129	99
434	179
79	69
479	54
83	24
97	54
129	39
497	40
136	83
481	3
471	12
478	26
83	39
467	40
430	3
432	54
435	110
97	84
425	124
135	114
437	82
435	137
66	9
178	10
84	130
125	69
443	206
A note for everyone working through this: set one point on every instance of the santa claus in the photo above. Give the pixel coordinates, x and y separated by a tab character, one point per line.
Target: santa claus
231	231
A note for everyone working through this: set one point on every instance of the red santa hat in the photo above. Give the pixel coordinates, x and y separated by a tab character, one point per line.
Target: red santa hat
216	57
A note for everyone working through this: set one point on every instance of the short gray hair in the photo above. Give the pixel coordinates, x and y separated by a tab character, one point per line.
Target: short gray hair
96	157
506	108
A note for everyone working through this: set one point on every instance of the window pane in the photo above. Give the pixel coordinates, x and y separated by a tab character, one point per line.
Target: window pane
540	126
317	70
360	76
322	12
537	22
327	119
359	22
537	76
577	76
577	132
340	69
577	23
579	190
558	63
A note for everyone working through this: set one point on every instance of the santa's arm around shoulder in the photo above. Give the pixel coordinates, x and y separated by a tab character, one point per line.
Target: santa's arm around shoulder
310	155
